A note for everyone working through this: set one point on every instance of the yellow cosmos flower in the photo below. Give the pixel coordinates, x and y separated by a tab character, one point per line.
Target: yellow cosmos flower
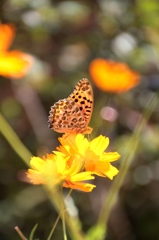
13	64
54	170
91	154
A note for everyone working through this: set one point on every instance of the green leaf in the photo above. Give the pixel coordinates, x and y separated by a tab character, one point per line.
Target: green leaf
32	232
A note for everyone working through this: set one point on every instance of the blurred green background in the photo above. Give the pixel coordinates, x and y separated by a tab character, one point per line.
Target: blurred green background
64	37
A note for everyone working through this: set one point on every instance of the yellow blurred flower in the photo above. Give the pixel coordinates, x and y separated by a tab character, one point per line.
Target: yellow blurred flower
13	64
54	170
91	154
113	76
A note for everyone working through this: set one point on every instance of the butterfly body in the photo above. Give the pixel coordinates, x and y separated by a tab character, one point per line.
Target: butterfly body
72	114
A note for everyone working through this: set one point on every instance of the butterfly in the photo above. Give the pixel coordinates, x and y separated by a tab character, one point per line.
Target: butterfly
73	114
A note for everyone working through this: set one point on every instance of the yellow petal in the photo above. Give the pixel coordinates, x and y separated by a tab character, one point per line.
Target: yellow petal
75	167
73	144
35	177
37	163
110	157
102	169
99	168
85	187
61	162
82	176
113	171
99	144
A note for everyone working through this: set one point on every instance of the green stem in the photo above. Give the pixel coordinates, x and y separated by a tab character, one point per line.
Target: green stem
73	223
58	218
14	140
63	216
54	226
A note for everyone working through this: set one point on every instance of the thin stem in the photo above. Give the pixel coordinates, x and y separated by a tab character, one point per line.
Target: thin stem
69	193
14	140
58	218
73	223
20	233
54	226
63	216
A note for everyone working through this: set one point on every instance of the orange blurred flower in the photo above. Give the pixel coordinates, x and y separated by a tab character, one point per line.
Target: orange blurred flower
13	64
111	76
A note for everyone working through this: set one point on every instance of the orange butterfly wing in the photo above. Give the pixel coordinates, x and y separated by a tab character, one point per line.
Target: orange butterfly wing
73	114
